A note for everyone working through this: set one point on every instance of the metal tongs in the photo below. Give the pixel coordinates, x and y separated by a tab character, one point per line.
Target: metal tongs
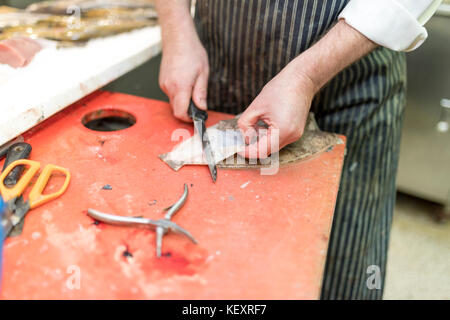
162	226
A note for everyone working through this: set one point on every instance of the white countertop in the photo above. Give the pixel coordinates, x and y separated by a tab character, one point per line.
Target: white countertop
56	78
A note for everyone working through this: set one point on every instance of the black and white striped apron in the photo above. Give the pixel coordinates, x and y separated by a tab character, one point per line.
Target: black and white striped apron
248	43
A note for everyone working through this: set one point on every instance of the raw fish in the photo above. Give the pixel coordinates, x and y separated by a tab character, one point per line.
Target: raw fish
227	142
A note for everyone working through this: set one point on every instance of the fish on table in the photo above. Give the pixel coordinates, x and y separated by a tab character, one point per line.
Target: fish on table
69	23
227	142
93	23
225	139
66	30
62	7
12	17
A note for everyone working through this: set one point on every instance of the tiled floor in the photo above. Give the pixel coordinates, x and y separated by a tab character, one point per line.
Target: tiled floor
419	253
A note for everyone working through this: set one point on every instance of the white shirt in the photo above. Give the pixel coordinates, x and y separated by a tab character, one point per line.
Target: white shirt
395	24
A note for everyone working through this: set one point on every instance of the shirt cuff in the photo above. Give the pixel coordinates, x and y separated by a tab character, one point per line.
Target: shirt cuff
385	22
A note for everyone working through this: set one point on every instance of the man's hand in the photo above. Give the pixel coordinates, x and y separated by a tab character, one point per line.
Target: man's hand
184	68
283	105
184	74
284	102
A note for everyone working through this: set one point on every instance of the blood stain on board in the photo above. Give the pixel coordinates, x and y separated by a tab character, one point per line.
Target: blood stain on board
188	260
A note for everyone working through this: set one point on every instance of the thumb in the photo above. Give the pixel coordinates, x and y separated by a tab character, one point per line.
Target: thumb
200	90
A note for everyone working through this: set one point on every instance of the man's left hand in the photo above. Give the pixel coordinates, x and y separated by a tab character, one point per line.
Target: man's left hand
283	105
284	102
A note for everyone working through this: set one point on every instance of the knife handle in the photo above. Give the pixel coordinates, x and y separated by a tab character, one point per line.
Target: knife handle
195	113
20	150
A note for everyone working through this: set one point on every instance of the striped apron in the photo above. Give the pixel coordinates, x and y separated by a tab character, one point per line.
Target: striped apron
248	43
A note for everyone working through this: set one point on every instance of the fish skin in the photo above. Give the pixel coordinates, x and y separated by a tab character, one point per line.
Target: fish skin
313	142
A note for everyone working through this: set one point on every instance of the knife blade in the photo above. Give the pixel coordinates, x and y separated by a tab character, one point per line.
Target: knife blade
199	117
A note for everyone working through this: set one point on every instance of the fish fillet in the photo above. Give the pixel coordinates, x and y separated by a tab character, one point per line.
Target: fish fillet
226	142
225	138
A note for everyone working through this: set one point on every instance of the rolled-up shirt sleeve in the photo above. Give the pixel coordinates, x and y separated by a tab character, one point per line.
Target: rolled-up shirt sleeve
395	24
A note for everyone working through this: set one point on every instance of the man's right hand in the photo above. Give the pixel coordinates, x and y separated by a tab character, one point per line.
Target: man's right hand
184	68
184	74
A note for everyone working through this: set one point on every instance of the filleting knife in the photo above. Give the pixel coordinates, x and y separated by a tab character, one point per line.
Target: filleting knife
199	117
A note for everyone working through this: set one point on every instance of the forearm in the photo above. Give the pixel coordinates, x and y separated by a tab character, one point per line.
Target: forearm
184	67
175	20
339	48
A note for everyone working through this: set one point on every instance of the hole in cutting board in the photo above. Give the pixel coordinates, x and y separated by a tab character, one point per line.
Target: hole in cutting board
108	120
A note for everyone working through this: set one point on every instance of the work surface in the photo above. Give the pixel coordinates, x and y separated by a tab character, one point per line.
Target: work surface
56	78
259	236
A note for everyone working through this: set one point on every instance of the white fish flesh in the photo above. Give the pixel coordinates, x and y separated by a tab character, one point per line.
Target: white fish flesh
225	138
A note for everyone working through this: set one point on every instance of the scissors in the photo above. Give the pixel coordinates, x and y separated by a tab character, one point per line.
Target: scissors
16	206
162	226
1	240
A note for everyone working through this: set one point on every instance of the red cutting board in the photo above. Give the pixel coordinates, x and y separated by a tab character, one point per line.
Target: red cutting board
260	236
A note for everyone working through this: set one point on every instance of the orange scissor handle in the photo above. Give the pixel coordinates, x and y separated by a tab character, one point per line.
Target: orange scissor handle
21	185
36	197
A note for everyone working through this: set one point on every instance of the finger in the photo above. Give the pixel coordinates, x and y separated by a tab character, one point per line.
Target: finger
201	90
267	144
247	122
180	104
258	149
250	151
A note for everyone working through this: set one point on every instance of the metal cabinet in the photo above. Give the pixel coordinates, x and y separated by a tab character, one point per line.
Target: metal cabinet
424	168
